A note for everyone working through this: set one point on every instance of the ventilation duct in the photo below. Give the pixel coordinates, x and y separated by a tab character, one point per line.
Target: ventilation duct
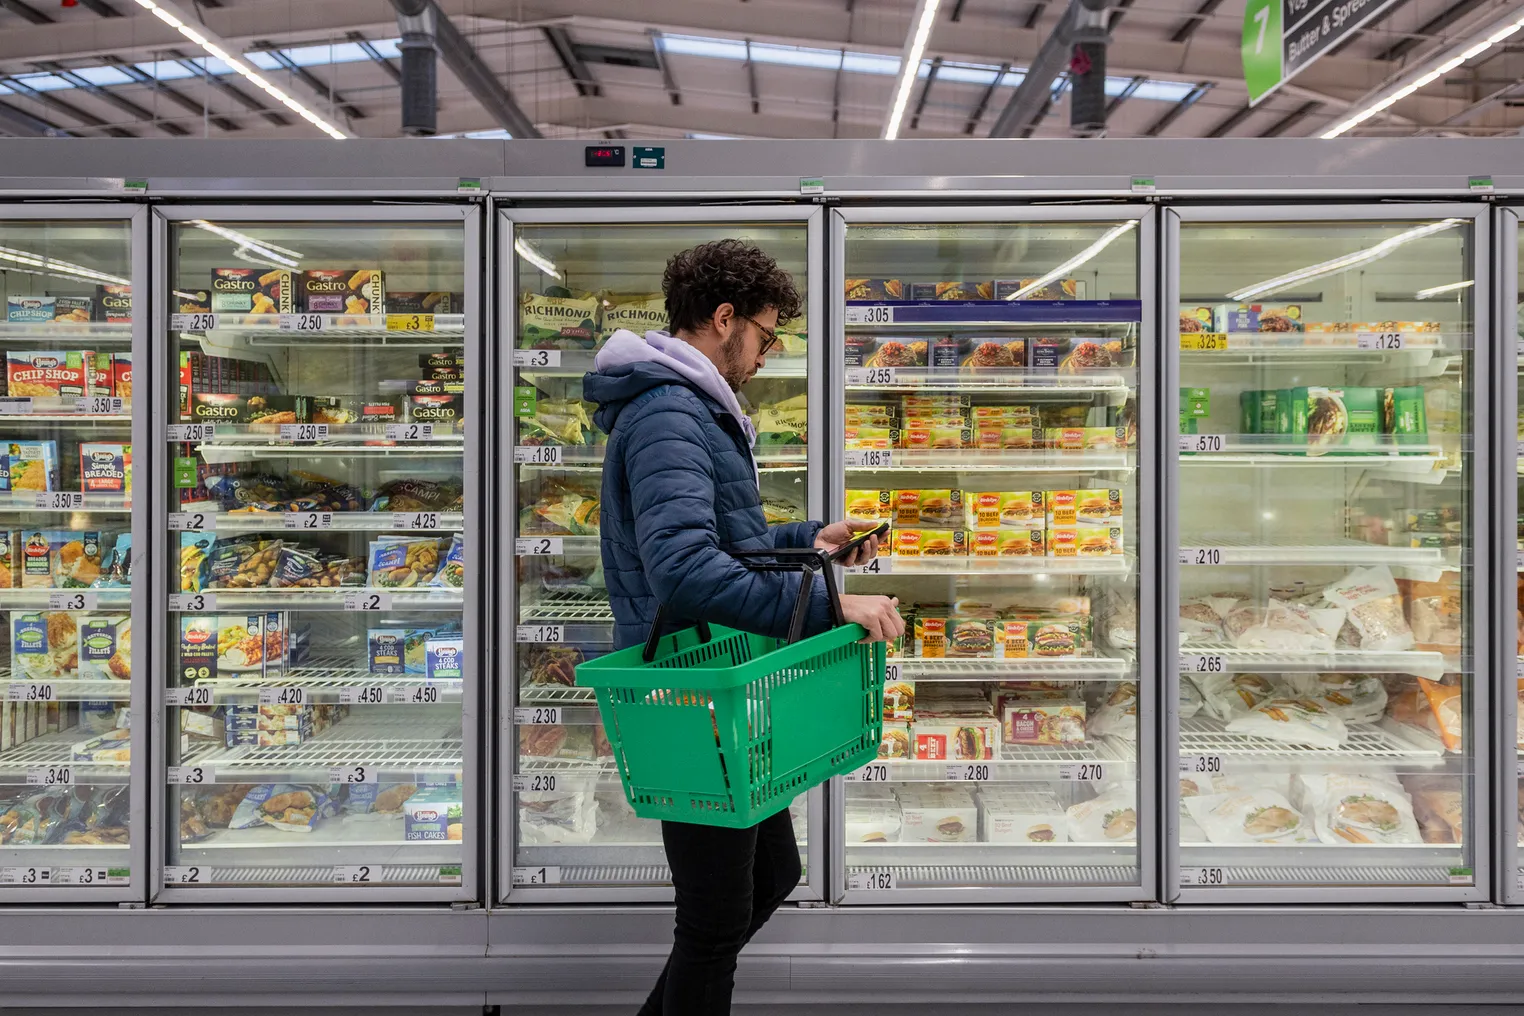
417	19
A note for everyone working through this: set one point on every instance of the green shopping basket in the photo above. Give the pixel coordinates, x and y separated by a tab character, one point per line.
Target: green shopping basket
722	727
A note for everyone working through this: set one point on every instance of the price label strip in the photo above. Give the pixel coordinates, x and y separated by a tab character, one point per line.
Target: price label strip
537	455
1201	765
100	405
535	783
1203	342
192	522
537	358
352	874
193	602
1202	443
1201	555
201	695
409	432
868	458
353	774
50	776
282	696
871	375
873	772
73	601
1082	772
26	691
301	322
877	315
190	432
415	520
189	776
891	672
877	566
973	771
26	876
193	322
539	633
410	322
1203	663
1193	877
367	600
14	405
59	500
537	716
534	546
308	520
373	695
414	695
303	431
91	876
864	881
1378	340
547	875
186	874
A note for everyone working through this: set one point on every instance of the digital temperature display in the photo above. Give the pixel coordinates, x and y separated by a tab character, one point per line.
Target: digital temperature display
605	156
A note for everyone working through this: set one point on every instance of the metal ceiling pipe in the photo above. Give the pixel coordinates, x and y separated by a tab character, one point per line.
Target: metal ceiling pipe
417	20
1087	68
1036	82
465	64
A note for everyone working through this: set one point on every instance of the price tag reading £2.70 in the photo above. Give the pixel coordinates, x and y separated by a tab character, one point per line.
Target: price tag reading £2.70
1084	772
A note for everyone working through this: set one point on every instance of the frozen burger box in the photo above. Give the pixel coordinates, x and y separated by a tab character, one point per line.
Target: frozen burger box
1021	817
956	739
1043	722
939	819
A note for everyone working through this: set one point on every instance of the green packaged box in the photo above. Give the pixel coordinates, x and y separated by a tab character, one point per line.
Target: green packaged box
1256	411
1403	415
1330	418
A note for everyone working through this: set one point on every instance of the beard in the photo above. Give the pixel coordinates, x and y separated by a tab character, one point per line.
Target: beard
733	366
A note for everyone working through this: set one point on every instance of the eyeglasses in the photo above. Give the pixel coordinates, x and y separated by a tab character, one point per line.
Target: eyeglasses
769	336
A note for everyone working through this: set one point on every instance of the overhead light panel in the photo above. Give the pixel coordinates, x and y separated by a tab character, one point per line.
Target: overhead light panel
910	64
249	248
1074	262
1451	287
534	257
40	264
1343	263
168	15
1458	56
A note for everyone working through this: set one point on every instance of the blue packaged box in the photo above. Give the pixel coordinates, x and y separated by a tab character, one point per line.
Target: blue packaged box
387	650
445	658
434	813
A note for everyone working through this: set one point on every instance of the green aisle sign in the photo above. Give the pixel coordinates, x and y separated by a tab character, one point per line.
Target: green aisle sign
1283	37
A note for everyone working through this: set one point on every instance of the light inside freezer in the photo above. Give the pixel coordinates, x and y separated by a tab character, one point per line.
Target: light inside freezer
319	553
991	417
1324	571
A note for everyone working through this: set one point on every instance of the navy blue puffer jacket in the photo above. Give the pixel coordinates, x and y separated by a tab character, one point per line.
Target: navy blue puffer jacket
679	490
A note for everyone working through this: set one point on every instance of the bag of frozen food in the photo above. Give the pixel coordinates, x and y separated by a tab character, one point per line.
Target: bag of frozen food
557	422
241	562
1249	817
558	319
1201	621
1358	809
398	562
1226	696
413	496
1353	698
1273	626
1293	721
116	568
1119	624
1438	807
296	809
452	570
557	816
1190	698
1434	612
1445	702
564	513
1110	817
1118	713
1375	621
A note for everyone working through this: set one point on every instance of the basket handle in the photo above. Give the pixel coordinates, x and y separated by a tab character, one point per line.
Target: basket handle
805	559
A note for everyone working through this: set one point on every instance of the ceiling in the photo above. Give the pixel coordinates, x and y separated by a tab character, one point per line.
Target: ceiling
728	68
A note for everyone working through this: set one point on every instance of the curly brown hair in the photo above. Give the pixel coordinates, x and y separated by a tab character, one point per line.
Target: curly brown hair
701	278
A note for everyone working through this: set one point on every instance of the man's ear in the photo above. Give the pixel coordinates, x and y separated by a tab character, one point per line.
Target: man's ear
723	314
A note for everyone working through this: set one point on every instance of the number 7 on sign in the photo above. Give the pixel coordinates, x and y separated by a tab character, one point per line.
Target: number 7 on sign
1262	48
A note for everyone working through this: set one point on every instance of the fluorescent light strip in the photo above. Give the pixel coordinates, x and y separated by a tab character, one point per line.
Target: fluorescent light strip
254	77
1343	263
1074	262
51	266
1432	291
1423	80
535	258
910	67
247	245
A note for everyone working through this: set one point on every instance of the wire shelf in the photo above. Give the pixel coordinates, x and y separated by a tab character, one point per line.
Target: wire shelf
1337	661
1204	735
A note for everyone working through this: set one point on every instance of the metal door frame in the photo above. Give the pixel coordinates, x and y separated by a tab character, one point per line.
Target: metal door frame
1504	363
135	215
506	222
1276	210
473	843
1146	764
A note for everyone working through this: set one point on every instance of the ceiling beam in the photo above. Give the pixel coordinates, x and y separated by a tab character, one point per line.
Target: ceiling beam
984	100
19	124
1118	9
658	46
571	62
179	98
121	102
1034	15
26	12
472	72
1233	120
102	8
1286	122
312	81
1429	29
1124	95
751	81
51	100
1178	110
1195	21
359	39
1030	101
920	106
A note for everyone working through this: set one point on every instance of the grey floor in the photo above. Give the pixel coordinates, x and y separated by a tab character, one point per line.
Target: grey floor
949	1008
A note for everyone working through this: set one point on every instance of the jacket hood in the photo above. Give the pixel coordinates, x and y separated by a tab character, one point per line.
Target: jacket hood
629	365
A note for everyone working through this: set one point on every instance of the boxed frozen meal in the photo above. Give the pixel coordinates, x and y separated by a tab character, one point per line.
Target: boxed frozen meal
929	543
112	746
419	302
252	291
990	437
385	650
899	700
870	505
105	648
1090	507
341	291
1083	541
31	465
1046	355
434	813
1047	638
930	635
1007	543
872	821
939	818
1330	418
49	373
952	291
444	658
1076	439
1020	816
103	467
436	409
894	742
993	352
1404	416
113	303
894	352
198	647
1016	509
30	310
1256	411
956	739
44	646
10	559
1044	722
1054	289
875	289
970	638
73	309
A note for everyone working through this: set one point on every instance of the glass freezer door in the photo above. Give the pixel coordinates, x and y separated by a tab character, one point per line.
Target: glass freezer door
71	802
1508	647
1326	505
320	552
990	375
571	279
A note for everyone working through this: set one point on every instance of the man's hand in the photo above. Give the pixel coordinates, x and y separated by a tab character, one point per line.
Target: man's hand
837	533
878	614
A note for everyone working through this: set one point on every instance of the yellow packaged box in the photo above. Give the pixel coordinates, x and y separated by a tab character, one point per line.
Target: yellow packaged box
870	505
1005	437
947	438
938	507
870	437
929	543
1007	543
1091	506
1077	439
1016	509
1081	541
931	636
1012	414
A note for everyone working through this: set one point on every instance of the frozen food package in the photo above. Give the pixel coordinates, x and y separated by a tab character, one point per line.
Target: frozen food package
452	570
1445	701
557	319
1110	817
1375	621
1041	721
1293	721
1227	696
1353	698
1191	701
1439	808
1434	612
1201	621
1119	622
1273	626
1358	809
1118	712
872	821
1251	817
557	816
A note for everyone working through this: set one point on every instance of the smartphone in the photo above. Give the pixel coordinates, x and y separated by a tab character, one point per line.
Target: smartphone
846	549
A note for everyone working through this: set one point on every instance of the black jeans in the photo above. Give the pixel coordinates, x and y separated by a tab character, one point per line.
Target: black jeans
728	882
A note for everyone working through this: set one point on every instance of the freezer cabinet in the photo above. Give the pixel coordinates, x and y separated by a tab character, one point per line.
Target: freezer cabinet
992	375
319	567
568	280
1326	508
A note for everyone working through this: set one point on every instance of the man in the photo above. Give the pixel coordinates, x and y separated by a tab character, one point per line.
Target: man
680	489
